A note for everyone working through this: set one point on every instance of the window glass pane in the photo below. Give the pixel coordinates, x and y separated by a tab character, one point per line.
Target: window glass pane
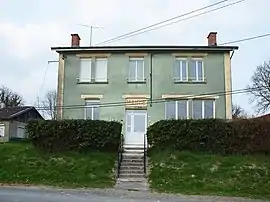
139	123
170	110
101	70
96	112
177	70
182	109
132	70
2	131
208	109
128	123
88	112
85	70
92	110
200	70
197	109
140	70
184	70
192	73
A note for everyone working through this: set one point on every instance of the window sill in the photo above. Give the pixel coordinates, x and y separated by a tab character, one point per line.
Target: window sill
95	82
136	82
190	82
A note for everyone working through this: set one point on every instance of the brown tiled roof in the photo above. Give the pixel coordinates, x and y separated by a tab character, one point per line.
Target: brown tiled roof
11	112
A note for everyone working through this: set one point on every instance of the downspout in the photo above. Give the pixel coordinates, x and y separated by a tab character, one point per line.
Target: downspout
151	80
232	55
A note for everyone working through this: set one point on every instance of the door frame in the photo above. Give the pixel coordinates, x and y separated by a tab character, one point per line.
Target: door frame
19	127
133	111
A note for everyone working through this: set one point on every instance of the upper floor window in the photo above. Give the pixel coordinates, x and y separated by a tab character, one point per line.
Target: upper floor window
93	70
196	70
177	109
100	70
85	70
92	108
203	109
181	69
136	70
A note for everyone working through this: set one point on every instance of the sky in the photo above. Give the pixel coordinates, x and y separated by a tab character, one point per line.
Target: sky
29	28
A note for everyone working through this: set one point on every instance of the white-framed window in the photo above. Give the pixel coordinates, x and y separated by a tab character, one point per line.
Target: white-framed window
2	130
85	70
101	69
177	109
196	69
93	70
181	69
136	69
92	109
203	109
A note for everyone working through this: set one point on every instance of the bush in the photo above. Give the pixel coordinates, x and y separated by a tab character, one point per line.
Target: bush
79	135
211	135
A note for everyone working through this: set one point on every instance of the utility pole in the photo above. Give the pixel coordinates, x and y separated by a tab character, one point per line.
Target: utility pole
91	27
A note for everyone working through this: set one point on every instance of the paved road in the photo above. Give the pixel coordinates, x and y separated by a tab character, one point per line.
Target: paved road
38	194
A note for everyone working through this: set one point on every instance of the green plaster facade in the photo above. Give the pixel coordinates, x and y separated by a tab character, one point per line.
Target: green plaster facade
162	83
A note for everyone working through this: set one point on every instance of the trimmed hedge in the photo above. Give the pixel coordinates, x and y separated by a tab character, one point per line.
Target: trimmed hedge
78	135
211	135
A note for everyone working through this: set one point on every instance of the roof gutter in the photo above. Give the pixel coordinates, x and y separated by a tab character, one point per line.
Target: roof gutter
60	49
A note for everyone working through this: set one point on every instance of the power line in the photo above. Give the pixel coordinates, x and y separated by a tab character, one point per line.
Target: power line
245	39
44	77
43	82
161	22
160	100
140	31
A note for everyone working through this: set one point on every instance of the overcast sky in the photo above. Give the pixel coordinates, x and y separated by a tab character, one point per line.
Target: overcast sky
29	28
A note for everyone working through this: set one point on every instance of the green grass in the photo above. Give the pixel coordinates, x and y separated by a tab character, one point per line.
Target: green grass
21	163
203	174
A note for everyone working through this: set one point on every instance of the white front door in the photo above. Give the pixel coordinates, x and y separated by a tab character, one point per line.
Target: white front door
20	132
136	125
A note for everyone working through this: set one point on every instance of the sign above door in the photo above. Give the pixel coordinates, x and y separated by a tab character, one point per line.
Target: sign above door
136	103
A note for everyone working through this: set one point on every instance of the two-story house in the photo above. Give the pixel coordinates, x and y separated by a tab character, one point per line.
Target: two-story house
140	85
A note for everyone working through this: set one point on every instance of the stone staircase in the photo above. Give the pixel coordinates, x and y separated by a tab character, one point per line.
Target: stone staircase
132	176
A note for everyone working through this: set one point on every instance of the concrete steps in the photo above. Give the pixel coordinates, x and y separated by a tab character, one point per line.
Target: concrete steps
132	165
131	175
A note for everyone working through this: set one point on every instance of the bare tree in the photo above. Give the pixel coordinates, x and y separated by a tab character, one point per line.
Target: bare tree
260	87
10	98
238	112
49	104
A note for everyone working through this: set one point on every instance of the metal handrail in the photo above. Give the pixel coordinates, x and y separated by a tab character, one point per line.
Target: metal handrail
144	155
120	155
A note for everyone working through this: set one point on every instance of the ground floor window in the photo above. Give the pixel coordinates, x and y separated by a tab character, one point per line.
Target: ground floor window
194	108
176	109
92	109
2	130
203	109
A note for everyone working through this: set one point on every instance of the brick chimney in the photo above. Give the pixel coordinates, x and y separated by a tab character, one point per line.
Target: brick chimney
75	40
212	39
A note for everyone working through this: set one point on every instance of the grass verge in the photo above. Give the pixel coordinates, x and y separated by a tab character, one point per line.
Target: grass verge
203	174
21	163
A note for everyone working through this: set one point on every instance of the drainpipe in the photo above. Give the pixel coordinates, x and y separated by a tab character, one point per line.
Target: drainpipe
232	55
151	80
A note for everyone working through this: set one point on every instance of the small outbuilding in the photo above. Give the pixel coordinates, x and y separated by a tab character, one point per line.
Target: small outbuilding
13	121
